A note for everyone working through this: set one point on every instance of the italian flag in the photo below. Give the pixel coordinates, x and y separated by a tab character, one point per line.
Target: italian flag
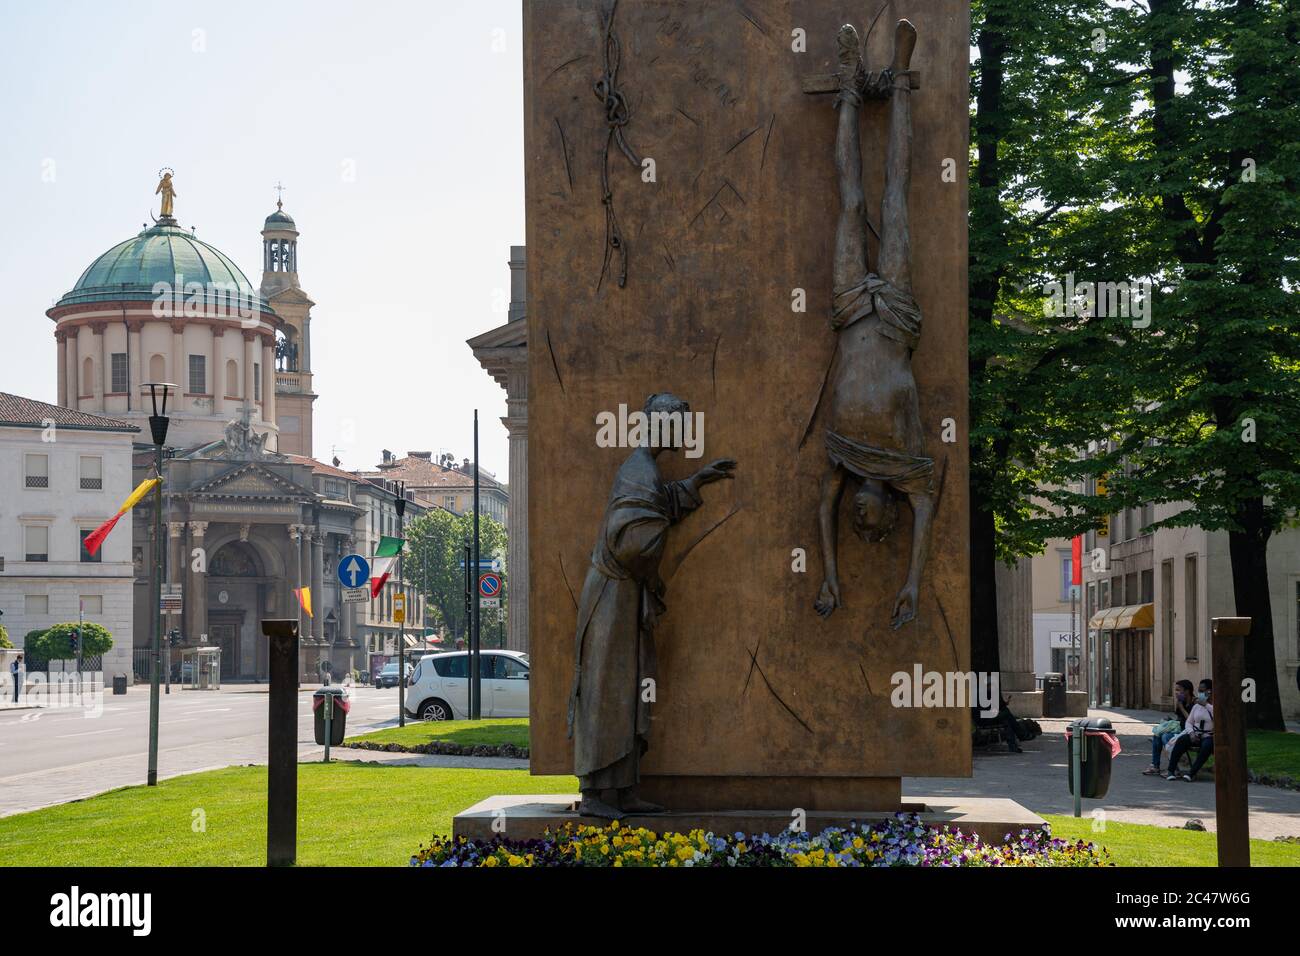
96	537
384	561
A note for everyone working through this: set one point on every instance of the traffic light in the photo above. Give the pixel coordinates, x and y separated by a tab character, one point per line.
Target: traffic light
174	637
74	641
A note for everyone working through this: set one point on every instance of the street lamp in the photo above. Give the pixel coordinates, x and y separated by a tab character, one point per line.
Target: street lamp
158	422
401	589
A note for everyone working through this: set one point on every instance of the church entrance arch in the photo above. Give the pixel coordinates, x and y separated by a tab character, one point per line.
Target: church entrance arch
237	583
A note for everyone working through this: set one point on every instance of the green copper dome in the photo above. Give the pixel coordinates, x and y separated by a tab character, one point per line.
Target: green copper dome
164	253
279	219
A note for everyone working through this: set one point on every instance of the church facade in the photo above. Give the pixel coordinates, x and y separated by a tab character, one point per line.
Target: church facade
248	515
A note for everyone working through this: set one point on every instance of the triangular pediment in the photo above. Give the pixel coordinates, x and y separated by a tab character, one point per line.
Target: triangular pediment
251	480
291	296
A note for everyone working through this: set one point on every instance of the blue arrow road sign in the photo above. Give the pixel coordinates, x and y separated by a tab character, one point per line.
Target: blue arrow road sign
354	571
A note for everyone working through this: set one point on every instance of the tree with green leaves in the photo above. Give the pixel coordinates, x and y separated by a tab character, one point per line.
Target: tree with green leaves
55	643
1212	171
1039	384
4	639
435	564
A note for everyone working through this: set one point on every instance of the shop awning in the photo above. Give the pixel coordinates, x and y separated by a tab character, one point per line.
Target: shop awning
1133	616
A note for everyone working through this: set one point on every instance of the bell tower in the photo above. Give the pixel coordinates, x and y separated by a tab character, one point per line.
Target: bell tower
294	396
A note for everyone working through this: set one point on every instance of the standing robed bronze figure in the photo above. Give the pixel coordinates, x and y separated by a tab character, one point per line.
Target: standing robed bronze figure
614	662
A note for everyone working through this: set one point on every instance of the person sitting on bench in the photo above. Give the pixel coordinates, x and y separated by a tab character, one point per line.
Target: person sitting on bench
1199	733
1183	697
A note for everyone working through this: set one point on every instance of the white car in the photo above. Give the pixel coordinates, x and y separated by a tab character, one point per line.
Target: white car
439	688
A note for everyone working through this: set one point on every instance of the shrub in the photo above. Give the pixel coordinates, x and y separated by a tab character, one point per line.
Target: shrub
4	639
56	642
901	841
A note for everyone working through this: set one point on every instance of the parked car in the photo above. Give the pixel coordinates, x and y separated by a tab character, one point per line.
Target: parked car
388	676
439	689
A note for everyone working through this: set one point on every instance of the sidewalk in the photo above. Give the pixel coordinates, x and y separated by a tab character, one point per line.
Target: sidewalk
1037	779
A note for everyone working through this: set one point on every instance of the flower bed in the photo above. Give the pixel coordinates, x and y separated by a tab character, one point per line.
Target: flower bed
902	841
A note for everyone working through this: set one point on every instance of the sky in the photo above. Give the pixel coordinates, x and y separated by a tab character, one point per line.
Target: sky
395	126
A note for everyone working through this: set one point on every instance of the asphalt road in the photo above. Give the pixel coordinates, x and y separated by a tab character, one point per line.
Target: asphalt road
53	754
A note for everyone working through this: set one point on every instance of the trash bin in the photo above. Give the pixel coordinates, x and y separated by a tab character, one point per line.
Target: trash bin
1096	756
341	703
119	685
1053	695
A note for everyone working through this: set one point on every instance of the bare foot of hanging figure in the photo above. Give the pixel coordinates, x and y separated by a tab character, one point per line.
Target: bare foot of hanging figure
874	439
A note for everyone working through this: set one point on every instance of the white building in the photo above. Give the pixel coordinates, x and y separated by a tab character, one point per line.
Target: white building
62	474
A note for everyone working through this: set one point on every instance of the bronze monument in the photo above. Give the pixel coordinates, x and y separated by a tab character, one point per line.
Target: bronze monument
614	651
874	435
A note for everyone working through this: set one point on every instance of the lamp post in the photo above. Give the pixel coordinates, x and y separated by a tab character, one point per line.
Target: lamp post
158	422
401	589
475	678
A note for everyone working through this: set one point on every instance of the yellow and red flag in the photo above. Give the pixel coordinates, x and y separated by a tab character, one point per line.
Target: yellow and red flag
96	537
304	599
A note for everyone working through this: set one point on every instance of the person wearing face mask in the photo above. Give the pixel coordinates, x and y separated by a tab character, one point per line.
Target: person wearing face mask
1161	734
1199	734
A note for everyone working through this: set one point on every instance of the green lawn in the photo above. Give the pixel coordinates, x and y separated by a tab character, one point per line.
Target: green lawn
354	814
1274	752
493	732
1134	844
349	814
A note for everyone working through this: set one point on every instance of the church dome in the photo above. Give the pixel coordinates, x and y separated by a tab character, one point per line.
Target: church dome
163	253
280	220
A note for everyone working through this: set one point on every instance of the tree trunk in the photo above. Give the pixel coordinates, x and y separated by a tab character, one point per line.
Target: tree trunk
987	128
1249	552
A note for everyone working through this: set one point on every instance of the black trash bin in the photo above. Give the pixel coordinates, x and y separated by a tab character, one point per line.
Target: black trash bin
1053	695
339	721
119	685
1096	757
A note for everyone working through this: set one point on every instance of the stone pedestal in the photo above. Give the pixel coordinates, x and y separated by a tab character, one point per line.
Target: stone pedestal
529	817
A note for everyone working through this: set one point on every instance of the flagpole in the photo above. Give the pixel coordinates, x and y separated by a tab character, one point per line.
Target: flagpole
475	675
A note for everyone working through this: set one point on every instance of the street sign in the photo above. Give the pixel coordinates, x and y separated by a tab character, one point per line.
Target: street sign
170	603
483	564
354	571
399	608
489	585
356	595
489	602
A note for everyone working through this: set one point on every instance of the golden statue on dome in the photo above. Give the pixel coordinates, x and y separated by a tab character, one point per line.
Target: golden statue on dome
167	190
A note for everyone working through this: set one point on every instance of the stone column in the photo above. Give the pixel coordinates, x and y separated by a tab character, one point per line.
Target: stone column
1016	634
74	371
97	356
134	366
268	383
318	583
180	374
218	369
62	371
176	569
196	597
292	572
516	423
250	352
